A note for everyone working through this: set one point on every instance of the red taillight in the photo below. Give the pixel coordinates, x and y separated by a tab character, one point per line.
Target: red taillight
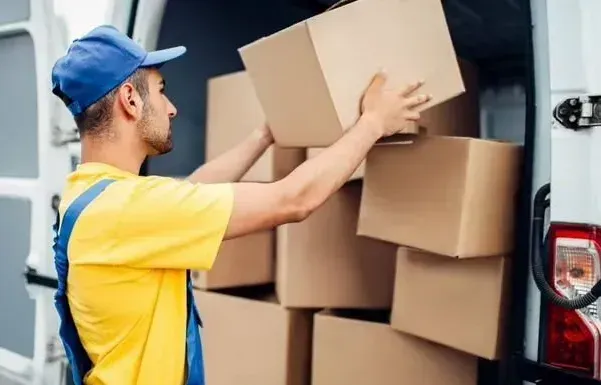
571	343
573	336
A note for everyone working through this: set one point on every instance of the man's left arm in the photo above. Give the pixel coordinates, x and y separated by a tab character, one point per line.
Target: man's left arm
233	164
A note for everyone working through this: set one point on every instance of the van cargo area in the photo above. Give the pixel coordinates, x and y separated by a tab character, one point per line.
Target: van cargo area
492	35
492	38
432	264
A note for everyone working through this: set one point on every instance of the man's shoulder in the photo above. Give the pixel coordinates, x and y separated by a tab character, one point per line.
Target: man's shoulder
76	186
143	193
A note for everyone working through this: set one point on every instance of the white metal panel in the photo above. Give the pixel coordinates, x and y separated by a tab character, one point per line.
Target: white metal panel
148	22
118	13
575	63
565	49
567	59
52	168
542	148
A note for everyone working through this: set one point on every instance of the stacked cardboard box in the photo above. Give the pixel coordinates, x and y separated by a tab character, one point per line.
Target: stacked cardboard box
233	113
403	273
248	336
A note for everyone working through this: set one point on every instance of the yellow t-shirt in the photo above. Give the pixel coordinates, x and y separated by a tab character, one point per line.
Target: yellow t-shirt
128	256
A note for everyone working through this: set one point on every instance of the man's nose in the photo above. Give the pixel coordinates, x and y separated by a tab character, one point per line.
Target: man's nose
171	110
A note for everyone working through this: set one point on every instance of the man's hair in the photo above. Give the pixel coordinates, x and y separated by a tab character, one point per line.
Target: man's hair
96	118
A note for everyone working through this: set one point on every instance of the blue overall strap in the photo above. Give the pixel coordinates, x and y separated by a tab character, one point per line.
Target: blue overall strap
195	369
78	358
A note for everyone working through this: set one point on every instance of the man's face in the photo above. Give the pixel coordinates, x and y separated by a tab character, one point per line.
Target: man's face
155	125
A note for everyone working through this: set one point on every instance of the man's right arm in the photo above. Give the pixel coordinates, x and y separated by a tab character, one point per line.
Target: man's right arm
292	199
160	222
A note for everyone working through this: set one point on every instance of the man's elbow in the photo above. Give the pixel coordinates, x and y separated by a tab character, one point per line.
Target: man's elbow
299	212
296	205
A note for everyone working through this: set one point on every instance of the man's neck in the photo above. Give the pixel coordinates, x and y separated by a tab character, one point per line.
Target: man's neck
111	153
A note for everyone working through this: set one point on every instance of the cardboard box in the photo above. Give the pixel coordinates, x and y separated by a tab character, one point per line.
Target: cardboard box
459	116
321	262
233	113
249	341
446	195
358	352
244	261
461	303
357	175
310	77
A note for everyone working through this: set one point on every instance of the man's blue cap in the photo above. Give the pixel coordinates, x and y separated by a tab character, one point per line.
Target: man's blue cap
100	61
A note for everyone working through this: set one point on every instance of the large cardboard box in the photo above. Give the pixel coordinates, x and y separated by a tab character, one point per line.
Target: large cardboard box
359	352
446	195
233	113
321	262
248	341
244	261
468	296
310	77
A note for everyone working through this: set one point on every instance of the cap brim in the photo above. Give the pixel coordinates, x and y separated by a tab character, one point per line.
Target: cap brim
158	58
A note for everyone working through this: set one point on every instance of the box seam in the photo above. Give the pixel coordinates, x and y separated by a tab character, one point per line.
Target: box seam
460	246
323	76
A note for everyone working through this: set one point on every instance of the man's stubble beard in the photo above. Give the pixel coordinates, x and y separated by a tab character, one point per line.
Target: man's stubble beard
158	143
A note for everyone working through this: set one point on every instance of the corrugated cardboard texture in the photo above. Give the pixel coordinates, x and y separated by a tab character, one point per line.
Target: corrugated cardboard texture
446	195
243	261
357	175
233	112
254	342
321	262
349	351
457	303
310	77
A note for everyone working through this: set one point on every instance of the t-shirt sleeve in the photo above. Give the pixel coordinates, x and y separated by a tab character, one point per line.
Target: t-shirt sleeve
169	223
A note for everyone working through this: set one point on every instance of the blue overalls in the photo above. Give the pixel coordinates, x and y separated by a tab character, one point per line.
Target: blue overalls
76	354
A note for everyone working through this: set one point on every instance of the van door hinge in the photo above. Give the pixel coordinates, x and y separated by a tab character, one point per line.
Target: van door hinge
579	113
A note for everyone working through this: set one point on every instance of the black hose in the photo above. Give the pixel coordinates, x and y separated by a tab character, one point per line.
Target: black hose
540	246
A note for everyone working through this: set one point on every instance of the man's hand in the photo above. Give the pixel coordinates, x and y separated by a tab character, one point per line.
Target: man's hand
233	164
392	109
264	134
264	206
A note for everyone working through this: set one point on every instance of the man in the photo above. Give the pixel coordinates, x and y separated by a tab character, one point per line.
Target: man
126	243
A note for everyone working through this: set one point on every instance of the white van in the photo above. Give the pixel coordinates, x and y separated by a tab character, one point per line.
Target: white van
532	56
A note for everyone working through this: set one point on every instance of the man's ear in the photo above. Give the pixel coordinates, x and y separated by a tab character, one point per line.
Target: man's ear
130	101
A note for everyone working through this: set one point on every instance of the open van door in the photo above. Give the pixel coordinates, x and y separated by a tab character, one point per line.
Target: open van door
563	318
34	161
39	148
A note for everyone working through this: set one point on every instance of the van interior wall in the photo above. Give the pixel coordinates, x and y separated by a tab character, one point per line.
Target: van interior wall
213	30
491	34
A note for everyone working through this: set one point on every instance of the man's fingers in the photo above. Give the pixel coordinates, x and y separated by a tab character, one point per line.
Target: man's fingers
417	100
410	88
378	81
412	115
